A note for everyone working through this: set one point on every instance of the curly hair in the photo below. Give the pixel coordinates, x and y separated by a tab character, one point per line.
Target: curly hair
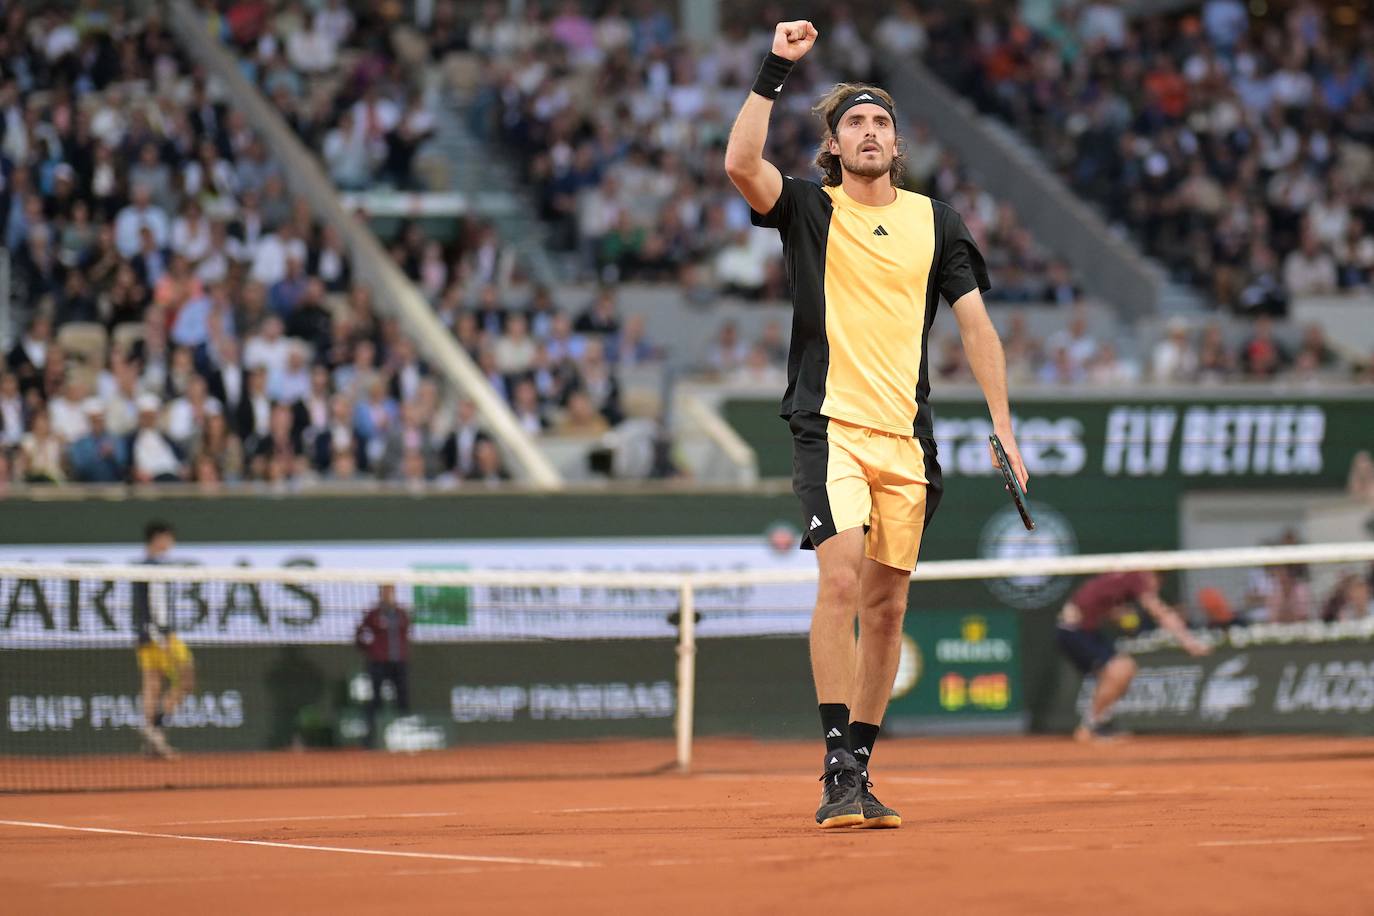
828	162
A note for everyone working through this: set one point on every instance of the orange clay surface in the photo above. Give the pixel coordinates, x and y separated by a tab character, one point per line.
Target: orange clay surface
1026	825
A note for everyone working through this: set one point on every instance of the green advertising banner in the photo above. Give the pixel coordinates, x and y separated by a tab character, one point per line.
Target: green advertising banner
73	701
959	671
1292	687
1234	441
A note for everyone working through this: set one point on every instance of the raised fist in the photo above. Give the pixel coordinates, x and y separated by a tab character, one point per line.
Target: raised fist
793	39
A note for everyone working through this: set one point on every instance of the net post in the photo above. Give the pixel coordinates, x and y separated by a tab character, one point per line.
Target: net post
686	674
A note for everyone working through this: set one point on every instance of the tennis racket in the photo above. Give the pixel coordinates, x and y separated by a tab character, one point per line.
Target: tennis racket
1018	495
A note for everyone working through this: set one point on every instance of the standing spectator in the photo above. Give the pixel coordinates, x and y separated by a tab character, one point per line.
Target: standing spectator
383	635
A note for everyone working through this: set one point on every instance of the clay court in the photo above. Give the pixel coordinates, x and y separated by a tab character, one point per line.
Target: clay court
1038	825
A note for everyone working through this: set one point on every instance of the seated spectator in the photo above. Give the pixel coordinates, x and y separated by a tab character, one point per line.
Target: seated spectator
218	445
562	343
374	418
186	416
1174	361
405	370
458	454
1107	369
580	418
153	458
253	419
1355	256
13	415
1350	600
513	352
226	377
1215	362
487	466
268	349
1078	345
1315	348
67	409
28	357
1309	270
1262	356
140	214
99	456
528	412
758	371
594	376
952	364
357	376
274	455
409	437
40	452
728	351
337	436
601	316
293	384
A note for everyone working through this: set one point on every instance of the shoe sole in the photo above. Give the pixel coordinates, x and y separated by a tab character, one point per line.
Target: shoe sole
841	820
887	822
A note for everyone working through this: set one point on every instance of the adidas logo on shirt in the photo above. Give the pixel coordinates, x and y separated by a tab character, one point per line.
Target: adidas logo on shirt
880	230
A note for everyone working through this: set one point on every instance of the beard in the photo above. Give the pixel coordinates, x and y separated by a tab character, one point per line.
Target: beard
866	168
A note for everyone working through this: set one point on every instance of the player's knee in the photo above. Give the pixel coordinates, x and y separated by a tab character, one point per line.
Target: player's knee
884	617
838	591
1123	666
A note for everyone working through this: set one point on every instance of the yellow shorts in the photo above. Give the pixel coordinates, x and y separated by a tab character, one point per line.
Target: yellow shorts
169	656
848	475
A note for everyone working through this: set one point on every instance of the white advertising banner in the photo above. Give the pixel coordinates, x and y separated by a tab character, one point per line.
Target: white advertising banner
96	612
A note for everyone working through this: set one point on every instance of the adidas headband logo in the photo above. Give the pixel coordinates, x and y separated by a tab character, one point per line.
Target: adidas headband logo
864	96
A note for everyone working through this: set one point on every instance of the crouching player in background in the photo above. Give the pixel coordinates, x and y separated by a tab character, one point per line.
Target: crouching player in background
162	656
1100	600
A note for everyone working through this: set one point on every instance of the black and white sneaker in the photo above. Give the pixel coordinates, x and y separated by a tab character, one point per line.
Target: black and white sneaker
876	814
841	791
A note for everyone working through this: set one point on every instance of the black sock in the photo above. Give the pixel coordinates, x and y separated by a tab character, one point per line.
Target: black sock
157	719
863	736
835	726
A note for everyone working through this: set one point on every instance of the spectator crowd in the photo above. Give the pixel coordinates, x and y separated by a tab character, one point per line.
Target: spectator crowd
621	126
1237	147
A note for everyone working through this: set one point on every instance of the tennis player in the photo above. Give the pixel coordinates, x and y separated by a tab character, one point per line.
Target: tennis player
1080	636
162	656
867	263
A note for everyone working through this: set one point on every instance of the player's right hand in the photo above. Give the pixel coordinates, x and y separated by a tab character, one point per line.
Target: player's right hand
1197	648
793	39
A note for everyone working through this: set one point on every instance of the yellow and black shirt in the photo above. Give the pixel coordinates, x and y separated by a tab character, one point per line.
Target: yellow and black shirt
865	284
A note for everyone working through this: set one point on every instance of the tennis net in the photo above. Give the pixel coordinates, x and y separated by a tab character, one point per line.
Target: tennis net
304	677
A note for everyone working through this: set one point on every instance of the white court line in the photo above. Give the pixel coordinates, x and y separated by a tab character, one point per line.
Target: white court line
209	879
312	817
630	809
440	856
1283	841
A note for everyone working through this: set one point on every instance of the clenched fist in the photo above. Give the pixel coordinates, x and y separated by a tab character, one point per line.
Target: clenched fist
793	39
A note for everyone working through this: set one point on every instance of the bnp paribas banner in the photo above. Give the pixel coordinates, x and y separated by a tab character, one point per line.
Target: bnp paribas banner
1309	678
93	612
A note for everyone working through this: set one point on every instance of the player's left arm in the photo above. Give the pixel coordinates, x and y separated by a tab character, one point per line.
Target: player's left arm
983	347
1173	622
